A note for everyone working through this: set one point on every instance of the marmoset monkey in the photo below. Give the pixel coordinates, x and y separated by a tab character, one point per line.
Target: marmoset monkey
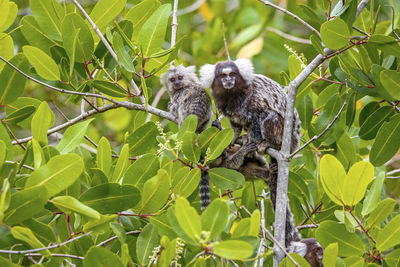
188	96
251	102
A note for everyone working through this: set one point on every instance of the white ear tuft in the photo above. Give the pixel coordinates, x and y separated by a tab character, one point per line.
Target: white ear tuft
207	75
191	69
245	68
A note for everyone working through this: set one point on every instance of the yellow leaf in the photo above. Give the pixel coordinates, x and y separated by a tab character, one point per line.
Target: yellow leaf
205	11
251	49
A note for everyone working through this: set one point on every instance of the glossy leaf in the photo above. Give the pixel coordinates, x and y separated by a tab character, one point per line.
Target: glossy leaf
215	217
381	212
152	34
387	141
12	83
140	13
122	54
330	255
188	125
141	170
357	180
58	174
391	80
105	11
374	194
220	142
185	181
44	65
111	198
48	14
332	177
173	221
101	257
146	242
20	114
9	13
390	235
233	249
226	178
122	164
103	157
73	137
6	48
155	193
108	88
188	218
41	122
143	139
350	244
100	226
70	204
26	235
335	34
190	148
372	124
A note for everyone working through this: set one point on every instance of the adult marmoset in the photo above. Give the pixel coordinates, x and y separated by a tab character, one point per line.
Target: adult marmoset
252	102
187	95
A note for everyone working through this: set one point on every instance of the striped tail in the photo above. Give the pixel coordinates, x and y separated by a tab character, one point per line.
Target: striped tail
204	187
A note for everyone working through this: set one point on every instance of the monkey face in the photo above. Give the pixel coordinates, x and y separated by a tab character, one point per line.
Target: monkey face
227	74
227	78
176	81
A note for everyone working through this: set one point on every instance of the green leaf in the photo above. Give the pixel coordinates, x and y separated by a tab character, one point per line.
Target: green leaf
297	258
38	155
122	164
163	226
387	141
6	48
155	193
140	13
103	157
44	65
357	180
220	142
5	196
101	257
190	148
330	255
141	170
350	244
386	44
20	114
70	204
143	139
9	13
215	217
346	151
390	235
332	177
146	242
105	11
122	54
374	194
188	125
173	221
84	45
188	218
316	43
381	212
393	258
41	122
255	223
185	181
42	230
119	231
152	34
58	174
372	124
111	198
390	79
100	226
26	235
12	83
107	88
233	249
205	138
25	204
145	91
48	14
242	228
31	31
305	108
73	137
335	34
226	178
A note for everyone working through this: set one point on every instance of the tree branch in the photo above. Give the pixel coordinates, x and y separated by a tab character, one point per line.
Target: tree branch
191	8
115	237
126	104
289	37
316	137
268	3
45	248
57	255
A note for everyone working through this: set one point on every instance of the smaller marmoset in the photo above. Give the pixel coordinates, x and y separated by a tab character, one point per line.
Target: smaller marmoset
187	95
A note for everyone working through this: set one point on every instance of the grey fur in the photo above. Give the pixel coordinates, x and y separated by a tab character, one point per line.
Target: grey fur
187	95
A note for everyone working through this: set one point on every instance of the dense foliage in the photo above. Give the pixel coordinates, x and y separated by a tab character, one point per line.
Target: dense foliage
95	172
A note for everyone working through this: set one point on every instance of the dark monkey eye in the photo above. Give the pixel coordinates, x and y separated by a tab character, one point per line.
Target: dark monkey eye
180	77
172	79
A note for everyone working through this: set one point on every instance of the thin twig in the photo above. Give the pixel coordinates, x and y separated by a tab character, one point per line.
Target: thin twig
268	3
13	135
393	172
45	248
307	226
261	249
174	27
360	8
225	43
316	137
125	104
25	166
288	36
190	8
57	255
115	237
